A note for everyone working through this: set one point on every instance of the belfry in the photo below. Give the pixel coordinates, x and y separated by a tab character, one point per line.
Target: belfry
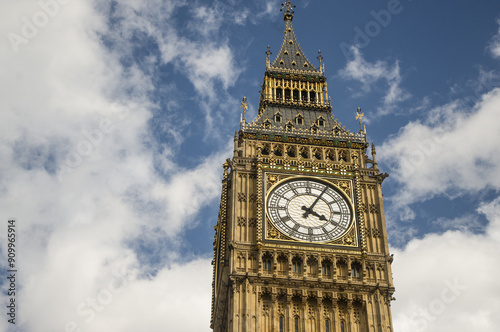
300	242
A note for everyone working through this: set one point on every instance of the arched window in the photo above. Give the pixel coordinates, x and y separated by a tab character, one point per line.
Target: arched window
327	325
279	93
282	266
266	264
312	97
326	269
296	324
342	326
266	261
296	266
341	269
299	119
321	121
355	270
282	328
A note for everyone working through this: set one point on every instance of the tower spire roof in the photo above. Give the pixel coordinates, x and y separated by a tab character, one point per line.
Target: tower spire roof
291	58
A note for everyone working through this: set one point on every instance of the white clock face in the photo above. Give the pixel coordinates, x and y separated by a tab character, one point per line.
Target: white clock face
309	210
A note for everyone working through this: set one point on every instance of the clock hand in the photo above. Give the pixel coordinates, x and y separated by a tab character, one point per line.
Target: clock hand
309	209
321	217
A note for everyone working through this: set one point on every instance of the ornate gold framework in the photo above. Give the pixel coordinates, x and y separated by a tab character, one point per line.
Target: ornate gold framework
344	185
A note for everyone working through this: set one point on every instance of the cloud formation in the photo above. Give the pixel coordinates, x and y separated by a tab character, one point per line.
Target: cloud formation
441	280
369	74
81	172
452	152
494	46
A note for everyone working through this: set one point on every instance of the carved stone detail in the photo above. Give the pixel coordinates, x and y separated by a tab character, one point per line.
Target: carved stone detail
253	198
242	221
252	222
242	197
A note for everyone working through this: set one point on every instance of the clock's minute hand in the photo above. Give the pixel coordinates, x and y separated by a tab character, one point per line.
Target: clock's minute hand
309	209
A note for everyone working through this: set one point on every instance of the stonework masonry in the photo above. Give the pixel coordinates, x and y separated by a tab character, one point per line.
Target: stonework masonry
301	241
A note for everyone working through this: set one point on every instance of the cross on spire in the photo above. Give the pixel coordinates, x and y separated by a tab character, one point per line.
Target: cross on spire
287	7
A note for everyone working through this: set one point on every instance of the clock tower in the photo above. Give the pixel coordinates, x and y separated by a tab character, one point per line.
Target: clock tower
301	241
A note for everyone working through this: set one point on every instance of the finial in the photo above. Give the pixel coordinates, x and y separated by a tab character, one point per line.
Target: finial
268	53
244	107
359	117
374	157
288	7
319	57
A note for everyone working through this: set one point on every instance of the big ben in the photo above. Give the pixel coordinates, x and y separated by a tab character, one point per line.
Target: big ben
300	242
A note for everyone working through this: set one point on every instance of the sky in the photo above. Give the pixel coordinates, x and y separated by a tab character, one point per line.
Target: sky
115	119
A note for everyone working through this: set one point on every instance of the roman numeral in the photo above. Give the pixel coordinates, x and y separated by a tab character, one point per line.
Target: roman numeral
293	189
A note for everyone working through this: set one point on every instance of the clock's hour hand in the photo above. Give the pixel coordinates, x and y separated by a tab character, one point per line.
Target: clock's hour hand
321	217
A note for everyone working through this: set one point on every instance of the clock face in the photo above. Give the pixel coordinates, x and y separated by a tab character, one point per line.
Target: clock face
309	210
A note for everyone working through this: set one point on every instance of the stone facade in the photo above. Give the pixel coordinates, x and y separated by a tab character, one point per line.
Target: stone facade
266	279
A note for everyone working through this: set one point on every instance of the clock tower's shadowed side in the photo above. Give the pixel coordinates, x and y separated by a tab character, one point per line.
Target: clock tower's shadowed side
301	241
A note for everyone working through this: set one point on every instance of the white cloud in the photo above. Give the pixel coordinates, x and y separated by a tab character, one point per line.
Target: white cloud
494	46
441	280
453	152
79	173
368	74
465	223
203	57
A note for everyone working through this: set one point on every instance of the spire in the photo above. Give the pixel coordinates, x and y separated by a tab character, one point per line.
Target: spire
291	58
287	7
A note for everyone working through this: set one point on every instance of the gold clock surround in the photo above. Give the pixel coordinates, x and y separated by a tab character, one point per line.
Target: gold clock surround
343	186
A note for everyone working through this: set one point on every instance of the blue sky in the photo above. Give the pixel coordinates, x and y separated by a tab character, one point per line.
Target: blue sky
116	117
